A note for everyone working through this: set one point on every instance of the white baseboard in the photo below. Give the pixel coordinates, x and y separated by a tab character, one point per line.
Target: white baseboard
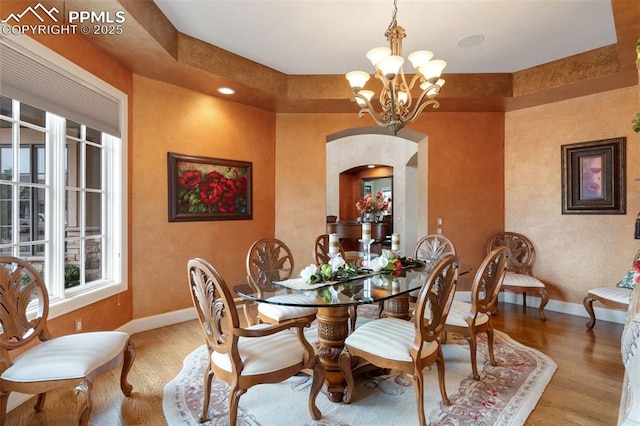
160	320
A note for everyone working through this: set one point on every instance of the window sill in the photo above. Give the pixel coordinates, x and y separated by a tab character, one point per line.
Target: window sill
81	299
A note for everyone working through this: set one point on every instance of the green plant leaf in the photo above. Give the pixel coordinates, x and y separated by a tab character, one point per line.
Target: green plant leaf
635	124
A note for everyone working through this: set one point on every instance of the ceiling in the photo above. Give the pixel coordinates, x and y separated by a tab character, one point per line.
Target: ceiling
290	56
301	37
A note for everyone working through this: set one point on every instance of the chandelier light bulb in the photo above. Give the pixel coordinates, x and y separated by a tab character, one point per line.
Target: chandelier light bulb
419	58
432	89
432	70
426	84
357	79
402	97
375	55
367	94
390	66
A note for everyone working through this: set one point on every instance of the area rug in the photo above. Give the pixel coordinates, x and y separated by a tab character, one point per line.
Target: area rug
505	395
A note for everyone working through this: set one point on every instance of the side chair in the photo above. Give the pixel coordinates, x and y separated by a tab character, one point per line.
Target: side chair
245	357
408	346
270	259
519	277
45	362
612	297
470	319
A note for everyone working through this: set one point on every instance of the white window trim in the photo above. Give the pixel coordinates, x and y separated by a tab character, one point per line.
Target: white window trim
118	240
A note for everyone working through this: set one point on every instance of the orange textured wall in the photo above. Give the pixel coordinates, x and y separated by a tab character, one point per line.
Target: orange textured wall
466	185
466	179
167	118
574	252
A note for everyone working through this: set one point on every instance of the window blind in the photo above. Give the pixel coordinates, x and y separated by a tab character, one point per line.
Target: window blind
34	80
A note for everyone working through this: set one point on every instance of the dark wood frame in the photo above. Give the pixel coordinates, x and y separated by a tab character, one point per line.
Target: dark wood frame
607	198
185	202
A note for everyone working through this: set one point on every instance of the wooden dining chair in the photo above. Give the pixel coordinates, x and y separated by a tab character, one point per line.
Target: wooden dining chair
44	362
470	319
433	247
519	277
407	346
270	259
321	250
245	357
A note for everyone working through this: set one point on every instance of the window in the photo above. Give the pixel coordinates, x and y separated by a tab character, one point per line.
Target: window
62	186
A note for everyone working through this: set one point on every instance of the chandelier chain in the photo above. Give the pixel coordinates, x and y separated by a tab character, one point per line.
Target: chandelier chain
394	20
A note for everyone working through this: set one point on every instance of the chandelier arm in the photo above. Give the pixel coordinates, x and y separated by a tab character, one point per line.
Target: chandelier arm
406	88
415	78
368	108
384	99
369	111
420	106
394	114
395	122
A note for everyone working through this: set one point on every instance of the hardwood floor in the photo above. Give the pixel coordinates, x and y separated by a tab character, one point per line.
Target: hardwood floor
585	389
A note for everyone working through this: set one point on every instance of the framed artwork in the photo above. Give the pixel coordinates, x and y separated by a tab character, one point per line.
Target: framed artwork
594	177
203	188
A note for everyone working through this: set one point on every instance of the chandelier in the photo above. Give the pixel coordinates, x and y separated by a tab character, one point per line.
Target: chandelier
398	106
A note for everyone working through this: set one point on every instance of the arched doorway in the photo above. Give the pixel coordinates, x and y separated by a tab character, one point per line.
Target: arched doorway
406	153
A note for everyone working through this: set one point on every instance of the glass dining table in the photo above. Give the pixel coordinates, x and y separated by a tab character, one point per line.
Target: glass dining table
333	300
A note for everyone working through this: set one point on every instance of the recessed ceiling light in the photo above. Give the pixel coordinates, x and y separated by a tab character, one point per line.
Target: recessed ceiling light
471	40
226	90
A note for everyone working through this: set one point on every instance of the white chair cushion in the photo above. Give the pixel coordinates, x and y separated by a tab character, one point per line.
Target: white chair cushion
264	354
460	311
66	357
615	294
521	280
389	338
282	312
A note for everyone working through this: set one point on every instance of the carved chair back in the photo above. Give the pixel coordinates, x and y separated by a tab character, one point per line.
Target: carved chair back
214	306
268	260
321	250
23	290
433	247
434	300
488	280
520	251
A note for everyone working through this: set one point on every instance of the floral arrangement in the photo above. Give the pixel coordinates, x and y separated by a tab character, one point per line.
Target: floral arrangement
337	269
215	191
371	204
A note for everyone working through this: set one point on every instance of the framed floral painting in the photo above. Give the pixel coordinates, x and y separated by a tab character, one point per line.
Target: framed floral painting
203	188
593	177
